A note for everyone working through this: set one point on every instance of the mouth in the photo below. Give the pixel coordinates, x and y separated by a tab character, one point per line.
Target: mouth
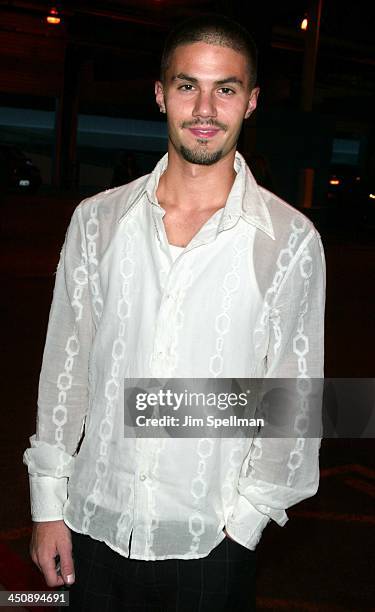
204	132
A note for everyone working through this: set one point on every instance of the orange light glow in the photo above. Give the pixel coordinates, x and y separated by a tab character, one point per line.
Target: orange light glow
372	196
304	23
334	182
53	17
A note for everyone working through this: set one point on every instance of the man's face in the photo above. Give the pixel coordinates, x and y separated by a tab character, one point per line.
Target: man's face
206	96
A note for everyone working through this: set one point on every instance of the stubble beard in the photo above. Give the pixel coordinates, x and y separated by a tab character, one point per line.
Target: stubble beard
200	155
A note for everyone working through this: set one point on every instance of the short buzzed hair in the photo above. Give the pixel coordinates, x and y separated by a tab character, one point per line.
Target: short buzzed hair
212	29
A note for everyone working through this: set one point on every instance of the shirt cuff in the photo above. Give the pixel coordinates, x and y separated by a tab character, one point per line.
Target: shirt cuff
47	496
246	523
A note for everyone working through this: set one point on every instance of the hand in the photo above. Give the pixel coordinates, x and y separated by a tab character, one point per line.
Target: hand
49	539
227	534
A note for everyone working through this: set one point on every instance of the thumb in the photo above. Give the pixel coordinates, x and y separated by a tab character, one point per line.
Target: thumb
67	564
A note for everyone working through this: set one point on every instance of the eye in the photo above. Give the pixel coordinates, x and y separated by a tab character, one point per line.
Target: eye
227	91
186	87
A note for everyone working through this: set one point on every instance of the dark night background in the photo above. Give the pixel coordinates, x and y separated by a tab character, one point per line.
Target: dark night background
76	99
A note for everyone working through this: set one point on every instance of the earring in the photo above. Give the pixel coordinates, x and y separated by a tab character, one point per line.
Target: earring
162	109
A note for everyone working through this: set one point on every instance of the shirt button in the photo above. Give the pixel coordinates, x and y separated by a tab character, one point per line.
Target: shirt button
142	477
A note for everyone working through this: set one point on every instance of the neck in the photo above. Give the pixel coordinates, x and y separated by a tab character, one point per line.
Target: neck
193	186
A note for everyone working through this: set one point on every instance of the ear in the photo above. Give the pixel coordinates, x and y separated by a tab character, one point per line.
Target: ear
159	96
253	100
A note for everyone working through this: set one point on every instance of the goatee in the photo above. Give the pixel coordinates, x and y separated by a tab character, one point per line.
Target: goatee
201	157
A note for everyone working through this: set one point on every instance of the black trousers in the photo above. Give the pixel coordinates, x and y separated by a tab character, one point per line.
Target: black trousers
109	582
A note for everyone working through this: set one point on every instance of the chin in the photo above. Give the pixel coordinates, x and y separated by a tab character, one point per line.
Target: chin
201	157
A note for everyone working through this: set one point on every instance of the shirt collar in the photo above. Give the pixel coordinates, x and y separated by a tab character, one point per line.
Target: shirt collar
245	198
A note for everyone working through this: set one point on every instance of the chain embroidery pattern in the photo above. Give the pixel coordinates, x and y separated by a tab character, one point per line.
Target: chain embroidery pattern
92	233
235	461
72	348
298	225
231	284
198	489
112	386
304	385
286	255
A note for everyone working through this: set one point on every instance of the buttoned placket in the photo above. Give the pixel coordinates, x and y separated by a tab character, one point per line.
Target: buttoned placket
170	274
177	277
144	484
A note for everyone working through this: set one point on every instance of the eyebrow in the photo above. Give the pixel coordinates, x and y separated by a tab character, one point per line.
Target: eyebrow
185	77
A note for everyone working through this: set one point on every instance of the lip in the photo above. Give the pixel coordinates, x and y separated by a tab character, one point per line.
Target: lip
204	132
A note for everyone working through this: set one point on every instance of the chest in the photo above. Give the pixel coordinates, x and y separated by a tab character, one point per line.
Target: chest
182	226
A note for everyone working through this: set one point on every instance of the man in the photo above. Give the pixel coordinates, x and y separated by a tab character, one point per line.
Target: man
193	271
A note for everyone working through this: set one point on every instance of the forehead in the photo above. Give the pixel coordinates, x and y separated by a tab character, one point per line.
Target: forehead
207	61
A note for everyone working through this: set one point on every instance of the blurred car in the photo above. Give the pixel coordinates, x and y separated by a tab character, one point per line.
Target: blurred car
17	171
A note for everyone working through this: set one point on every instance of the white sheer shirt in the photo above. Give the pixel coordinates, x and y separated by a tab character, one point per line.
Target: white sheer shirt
245	298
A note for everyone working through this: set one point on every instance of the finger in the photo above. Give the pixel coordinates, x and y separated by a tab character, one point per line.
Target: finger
66	563
34	555
48	567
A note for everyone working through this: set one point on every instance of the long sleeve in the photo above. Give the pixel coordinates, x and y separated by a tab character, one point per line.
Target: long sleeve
63	385
279	472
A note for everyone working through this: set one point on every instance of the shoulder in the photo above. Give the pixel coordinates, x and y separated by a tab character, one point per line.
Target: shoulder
108	206
285	217
290	226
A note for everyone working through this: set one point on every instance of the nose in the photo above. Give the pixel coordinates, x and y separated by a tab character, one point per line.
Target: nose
204	105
